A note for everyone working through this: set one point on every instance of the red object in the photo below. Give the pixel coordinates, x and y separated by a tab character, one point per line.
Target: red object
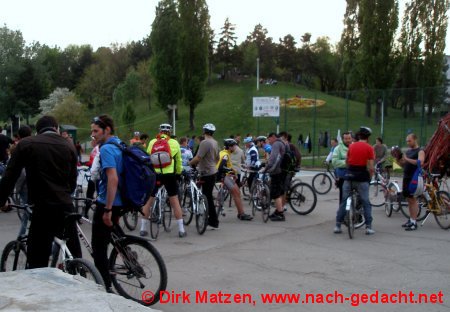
359	153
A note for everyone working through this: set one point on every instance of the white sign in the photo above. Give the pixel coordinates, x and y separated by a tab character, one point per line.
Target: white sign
266	106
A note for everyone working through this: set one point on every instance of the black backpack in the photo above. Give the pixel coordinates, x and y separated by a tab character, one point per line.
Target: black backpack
288	161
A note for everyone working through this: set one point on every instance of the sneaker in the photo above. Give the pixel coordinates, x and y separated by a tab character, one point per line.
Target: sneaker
407	224
369	231
277	217
109	290
411	227
244	217
182	234
143	233
212	228
337	229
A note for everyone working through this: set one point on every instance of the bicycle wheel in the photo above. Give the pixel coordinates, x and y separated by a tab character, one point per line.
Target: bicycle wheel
201	215
245	189
350	216
265	202
138	271
358	213
443	218
377	194
256	202
131	220
422	208
167	215
321	183
221	196
391	200
84	269
14	257
186	207
155	221
302	198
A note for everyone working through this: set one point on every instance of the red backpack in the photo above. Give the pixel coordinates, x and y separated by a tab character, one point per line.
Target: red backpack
160	155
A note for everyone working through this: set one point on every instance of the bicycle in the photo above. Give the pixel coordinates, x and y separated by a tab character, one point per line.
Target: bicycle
135	265
222	195
193	202
301	197
161	212
14	255
437	202
260	196
16	250
354	212
322	182
83	177
378	188
130	219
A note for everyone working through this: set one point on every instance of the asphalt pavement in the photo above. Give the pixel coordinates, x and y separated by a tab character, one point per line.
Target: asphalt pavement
243	264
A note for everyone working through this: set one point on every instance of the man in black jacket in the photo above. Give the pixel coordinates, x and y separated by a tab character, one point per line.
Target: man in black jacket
50	163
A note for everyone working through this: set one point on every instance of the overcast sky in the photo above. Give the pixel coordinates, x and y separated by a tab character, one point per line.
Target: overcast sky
102	22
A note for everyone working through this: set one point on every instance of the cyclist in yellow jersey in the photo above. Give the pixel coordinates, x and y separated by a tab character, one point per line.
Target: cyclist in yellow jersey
224	167
168	177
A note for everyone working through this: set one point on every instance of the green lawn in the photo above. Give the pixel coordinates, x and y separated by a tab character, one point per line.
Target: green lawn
228	105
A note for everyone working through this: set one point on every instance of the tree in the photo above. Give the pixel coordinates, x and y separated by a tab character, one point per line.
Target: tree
70	111
326	66
433	19
410	53
194	40
378	21
165	65
145	81
287	54
12	51
226	46
47	105
265	47
28	91
129	116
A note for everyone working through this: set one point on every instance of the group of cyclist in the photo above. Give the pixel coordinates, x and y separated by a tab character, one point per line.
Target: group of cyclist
354	161
50	163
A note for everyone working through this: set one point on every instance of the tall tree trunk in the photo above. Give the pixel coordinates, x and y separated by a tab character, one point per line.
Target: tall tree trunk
377	110
368	105
191	118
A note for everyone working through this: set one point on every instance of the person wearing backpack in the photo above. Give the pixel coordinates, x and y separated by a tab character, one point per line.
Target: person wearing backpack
290	163
165	155
277	176
109	199
409	163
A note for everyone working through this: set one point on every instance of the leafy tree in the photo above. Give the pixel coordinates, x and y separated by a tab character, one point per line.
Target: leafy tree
227	46
165	65
433	20
265	47
129	116
287	54
194	40
378	21
249	55
28	91
47	105
326	65
145	81
70	111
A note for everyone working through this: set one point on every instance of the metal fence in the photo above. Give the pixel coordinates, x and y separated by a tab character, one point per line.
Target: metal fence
391	114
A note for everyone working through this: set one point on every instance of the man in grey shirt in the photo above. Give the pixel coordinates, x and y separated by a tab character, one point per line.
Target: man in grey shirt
277	176
207	157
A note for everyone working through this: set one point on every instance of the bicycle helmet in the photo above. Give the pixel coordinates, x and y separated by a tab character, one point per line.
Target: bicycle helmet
165	127
229	143
261	138
396	152
209	128
137	133
365	131
248	140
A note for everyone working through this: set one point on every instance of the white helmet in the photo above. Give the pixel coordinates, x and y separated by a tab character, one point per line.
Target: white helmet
165	127
209	127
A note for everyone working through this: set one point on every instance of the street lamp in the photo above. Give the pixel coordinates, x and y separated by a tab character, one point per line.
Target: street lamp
173	108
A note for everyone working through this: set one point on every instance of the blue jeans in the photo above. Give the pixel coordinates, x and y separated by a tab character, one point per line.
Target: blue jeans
363	190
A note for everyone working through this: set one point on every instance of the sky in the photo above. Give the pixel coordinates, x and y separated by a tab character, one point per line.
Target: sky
102	22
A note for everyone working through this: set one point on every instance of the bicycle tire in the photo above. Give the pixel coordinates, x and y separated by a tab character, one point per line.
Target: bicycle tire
443	218
322	183
245	189
155	221
220	202
201	215
349	217
130	219
255	198
186	207
422	208
78	206
131	269
265	203
14	256
302	198
377	194
358	215
85	269
167	215
391	197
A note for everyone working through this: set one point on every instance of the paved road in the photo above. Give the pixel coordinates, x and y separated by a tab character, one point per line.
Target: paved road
301	255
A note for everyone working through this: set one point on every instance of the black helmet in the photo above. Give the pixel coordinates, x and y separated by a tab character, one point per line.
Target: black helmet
366	131
229	143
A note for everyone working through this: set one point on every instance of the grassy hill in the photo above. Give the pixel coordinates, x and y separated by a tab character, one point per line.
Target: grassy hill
228	105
